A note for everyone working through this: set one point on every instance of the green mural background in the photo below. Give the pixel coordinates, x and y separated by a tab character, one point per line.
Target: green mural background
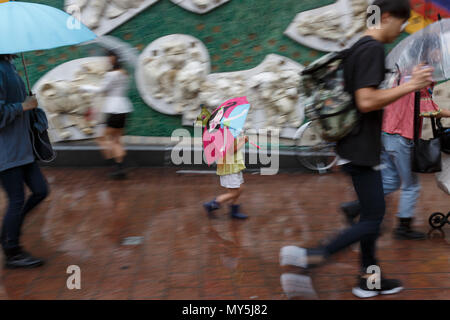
238	36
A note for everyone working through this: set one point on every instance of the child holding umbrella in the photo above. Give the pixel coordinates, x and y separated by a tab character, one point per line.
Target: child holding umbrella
223	143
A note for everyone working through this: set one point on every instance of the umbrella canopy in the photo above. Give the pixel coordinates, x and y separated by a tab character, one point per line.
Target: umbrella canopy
223	126
28	26
430	46
127	54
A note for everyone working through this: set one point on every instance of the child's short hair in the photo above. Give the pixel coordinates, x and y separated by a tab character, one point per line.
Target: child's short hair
398	8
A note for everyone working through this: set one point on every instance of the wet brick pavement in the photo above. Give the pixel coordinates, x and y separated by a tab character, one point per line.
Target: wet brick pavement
185	255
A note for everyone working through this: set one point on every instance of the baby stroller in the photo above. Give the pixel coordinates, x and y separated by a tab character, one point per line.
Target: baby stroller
438	219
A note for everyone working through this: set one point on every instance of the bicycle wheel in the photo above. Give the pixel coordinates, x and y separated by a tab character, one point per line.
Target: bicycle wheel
312	151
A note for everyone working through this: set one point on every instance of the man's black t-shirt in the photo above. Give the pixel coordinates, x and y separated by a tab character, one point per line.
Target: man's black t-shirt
364	67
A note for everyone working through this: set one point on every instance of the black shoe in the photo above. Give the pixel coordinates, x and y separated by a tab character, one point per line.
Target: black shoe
405	232
119	173
109	162
22	260
351	210
387	286
402	233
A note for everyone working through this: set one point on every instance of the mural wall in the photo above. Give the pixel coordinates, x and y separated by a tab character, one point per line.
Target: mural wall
196	52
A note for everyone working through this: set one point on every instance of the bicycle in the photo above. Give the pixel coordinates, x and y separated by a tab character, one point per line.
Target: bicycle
312	151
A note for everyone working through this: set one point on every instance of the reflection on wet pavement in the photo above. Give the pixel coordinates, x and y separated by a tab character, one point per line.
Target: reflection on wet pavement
298	286
181	254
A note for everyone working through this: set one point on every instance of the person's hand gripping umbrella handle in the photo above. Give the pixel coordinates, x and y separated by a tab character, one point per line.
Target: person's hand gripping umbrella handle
30	103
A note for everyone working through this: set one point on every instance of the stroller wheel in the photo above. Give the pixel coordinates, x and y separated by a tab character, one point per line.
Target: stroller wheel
437	220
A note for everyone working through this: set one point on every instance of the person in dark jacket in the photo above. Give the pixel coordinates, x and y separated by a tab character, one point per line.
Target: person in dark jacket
17	164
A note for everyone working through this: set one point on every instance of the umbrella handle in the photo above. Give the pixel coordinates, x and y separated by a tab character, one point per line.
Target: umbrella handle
26	75
255	145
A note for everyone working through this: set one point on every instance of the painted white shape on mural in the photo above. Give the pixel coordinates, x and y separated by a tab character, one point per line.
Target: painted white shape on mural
173	77
170	62
65	105
103	16
200	6
330	28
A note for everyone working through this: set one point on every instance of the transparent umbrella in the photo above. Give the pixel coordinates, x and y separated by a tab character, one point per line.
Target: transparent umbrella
430	45
127	54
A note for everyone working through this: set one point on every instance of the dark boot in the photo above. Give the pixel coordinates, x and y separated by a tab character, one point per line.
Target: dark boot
17	258
405	232
119	172
109	162
351	211
210	207
235	214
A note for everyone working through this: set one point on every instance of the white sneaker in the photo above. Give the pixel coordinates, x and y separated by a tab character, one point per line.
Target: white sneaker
387	286
293	256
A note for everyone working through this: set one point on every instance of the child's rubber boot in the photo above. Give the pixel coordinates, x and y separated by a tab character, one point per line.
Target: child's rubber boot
210	207
235	214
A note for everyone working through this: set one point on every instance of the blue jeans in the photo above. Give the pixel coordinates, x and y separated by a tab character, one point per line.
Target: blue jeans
13	181
397	174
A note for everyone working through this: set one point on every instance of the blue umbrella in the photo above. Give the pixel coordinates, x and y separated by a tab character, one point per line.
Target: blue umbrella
28	26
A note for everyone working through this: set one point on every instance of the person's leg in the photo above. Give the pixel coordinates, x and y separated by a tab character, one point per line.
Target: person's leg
231	196
238	193
35	180
369	189
105	143
118	152
233	183
410	191
117	147
13	184
235	207
371	195
391	179
219	201
389	156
